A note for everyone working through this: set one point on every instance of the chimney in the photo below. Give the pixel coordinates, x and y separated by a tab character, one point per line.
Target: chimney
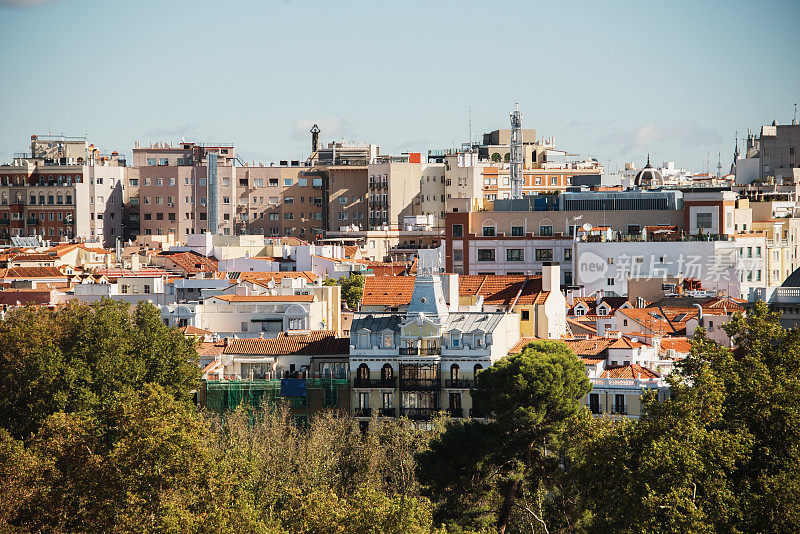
551	276
134	262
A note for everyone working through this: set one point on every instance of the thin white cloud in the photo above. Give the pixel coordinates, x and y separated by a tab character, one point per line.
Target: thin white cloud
652	135
185	130
330	128
25	4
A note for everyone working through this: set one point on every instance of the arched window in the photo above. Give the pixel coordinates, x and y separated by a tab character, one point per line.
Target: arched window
477	369
363	372
387	372
454	372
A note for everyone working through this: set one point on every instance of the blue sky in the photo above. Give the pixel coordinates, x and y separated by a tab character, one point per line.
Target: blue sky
612	80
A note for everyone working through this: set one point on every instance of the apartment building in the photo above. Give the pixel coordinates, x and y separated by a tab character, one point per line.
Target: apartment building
423	361
181	189
286	200
63	188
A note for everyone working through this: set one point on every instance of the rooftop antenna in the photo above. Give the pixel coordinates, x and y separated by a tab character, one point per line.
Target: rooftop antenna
719	164
516	152
469	114
794	120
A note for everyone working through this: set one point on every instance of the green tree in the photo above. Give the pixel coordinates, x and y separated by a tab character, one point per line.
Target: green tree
141	464
78	357
352	288
496	471
721	455
496	157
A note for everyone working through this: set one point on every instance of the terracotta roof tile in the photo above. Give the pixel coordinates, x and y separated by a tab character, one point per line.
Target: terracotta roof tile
193	263
628	371
316	342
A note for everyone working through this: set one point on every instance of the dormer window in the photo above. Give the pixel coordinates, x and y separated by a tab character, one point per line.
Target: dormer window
456	342
478	341
387	341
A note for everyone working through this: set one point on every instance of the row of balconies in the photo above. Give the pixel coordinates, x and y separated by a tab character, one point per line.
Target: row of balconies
413	384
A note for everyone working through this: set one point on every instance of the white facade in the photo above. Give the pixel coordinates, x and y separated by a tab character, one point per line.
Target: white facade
735	266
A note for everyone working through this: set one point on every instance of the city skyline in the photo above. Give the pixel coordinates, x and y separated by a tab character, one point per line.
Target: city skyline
610	84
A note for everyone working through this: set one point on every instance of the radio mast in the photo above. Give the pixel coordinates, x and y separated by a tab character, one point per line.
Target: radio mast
516	153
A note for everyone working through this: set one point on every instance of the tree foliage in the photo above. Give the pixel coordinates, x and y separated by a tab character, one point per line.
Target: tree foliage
76	358
723	454
352	288
500	472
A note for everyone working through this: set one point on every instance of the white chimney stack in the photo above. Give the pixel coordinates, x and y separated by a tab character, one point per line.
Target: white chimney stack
551	276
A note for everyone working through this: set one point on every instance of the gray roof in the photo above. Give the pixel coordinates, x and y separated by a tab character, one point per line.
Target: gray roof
793	280
461	321
376	322
471	321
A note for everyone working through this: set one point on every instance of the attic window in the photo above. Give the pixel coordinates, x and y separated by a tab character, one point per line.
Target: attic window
423	300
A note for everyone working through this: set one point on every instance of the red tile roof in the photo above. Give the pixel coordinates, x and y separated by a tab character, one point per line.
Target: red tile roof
628	371
32	272
387	290
192	263
190	330
680	344
12	297
496	290
316	342
263	276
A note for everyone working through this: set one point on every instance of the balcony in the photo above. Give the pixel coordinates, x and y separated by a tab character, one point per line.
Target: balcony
420	384
456	413
386	412
374	383
363	412
33	222
418	414
420	351
458	383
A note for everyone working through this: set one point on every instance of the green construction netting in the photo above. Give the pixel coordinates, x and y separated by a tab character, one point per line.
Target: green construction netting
225	395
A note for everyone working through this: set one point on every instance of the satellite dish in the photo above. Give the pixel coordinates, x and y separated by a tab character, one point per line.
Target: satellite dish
586	227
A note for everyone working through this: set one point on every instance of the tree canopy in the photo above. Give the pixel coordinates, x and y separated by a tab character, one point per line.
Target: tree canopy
352	288
485	473
76	358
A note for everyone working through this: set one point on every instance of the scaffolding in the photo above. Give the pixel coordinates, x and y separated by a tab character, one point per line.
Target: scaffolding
222	396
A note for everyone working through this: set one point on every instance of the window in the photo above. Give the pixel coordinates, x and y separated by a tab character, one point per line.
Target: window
226	200
288	216
546	230
488	231
554	180
567	254
133	182
515	254
274	217
517	231
610	281
485	254
151	162
526	315
342	200
287	181
544	254
342	216
703	220
594	402
458	254
458	230
288	200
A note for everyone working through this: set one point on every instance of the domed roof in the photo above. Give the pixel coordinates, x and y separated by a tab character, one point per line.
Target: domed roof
648	176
